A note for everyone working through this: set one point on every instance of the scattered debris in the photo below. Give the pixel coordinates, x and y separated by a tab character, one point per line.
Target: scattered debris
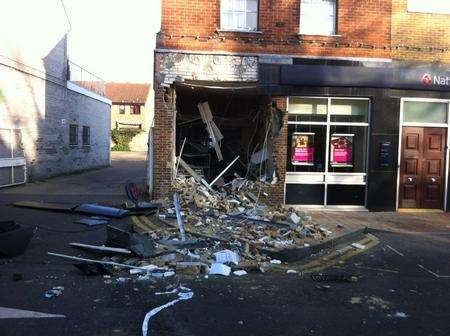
377	302
240	273
92	221
101	249
398	315
275	262
54	292
96	209
220	269
123	236
291	271
227	256
358	246
356	300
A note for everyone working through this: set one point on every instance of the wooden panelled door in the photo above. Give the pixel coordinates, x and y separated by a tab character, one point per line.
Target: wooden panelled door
422	169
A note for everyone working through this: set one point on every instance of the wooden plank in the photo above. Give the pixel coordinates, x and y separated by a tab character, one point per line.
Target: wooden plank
46	206
207	111
218	134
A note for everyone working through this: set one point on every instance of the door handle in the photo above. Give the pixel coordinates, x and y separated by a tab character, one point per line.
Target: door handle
433	179
410	179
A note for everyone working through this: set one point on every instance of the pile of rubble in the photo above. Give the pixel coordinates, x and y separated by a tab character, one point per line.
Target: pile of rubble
203	230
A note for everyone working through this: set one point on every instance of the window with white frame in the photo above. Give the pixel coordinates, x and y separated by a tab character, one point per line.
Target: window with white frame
327	151
318	17
239	15
429	6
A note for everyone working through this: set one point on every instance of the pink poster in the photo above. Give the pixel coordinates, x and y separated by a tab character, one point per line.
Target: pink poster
303	149
342	150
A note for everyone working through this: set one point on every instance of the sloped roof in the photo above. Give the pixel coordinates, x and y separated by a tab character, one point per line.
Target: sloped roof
127	92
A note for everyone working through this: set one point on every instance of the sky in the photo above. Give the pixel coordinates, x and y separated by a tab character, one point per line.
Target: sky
114	39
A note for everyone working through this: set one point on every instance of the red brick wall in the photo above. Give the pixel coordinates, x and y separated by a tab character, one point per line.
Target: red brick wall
363	25
419	30
163	142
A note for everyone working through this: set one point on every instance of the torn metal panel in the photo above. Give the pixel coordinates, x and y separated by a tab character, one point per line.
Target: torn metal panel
176	203
95	209
124	237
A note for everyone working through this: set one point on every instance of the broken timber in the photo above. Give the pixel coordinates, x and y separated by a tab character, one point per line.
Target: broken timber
214	132
197	177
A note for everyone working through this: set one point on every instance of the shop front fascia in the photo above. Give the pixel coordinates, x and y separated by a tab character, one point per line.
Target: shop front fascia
346	128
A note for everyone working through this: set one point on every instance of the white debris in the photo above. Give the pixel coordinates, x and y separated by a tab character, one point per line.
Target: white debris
294	218
240	273
291	271
143	269
275	261
220	269
174	291
181	297
226	256
358	246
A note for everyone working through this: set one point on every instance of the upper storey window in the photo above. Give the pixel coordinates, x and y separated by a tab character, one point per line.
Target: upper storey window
429	6
239	15
318	17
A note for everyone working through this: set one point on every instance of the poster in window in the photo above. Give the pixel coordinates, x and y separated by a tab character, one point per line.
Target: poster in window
342	150
303	149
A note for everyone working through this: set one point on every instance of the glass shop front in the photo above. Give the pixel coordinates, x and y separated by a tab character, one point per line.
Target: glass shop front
327	152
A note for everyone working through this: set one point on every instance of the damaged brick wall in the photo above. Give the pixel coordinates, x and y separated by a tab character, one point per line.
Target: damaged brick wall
276	192
170	67
163	138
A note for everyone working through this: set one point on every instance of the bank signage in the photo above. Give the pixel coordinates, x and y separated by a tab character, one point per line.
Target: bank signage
393	77
436	80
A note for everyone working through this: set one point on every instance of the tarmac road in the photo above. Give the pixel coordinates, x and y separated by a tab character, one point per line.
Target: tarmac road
393	296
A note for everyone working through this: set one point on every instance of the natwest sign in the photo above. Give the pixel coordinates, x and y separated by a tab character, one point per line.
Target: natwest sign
393	77
441	80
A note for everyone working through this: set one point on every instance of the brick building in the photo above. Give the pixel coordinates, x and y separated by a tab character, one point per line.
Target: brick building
132	108
49	123
345	103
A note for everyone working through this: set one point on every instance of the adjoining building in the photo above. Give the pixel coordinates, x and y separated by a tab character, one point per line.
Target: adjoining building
51	121
346	104
131	109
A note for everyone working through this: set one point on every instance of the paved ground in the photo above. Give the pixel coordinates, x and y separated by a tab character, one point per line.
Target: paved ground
394	295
